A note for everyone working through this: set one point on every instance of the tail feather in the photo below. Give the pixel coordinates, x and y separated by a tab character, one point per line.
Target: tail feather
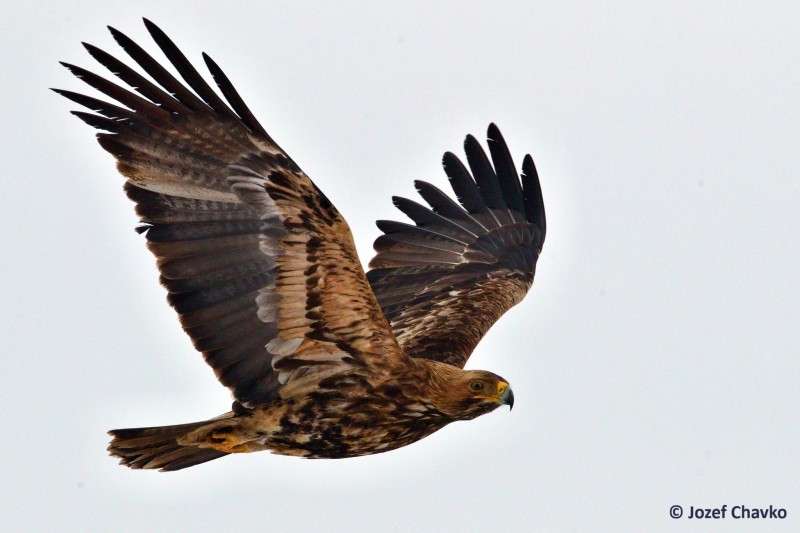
158	447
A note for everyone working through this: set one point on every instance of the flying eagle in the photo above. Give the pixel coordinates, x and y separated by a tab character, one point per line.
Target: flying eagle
323	360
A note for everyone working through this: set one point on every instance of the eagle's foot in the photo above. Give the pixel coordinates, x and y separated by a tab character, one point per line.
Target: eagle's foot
225	441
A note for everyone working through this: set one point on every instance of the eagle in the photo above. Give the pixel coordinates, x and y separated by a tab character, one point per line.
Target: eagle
322	359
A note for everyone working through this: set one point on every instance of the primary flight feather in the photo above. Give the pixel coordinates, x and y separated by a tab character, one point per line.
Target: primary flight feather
323	360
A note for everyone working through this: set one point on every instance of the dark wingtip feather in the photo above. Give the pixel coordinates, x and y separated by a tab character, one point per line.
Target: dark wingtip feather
532	195
440	202
70	67
462	183
493	133
484	174
151	26
95	52
95	121
118	36
504	168
233	97
98	106
421	215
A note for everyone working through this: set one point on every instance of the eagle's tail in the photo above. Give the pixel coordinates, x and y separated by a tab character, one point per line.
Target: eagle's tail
167	447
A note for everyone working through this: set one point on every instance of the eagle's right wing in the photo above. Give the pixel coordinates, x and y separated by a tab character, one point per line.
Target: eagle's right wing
259	265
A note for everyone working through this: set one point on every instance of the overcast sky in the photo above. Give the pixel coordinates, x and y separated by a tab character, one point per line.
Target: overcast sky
655	363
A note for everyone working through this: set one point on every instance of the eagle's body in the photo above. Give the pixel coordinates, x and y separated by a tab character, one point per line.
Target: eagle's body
344	418
323	360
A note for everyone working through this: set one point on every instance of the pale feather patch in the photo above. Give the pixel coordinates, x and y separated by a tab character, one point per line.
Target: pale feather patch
267	302
185	190
299	383
283	347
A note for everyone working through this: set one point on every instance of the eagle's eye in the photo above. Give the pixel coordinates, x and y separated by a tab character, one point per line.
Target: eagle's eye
476	386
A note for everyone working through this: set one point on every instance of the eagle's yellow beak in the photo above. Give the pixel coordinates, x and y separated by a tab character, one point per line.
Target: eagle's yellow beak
505	394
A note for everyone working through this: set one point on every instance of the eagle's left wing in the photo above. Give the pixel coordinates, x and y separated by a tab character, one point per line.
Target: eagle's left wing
443	282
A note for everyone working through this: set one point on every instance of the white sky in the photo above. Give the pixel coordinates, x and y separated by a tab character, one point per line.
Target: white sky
655	362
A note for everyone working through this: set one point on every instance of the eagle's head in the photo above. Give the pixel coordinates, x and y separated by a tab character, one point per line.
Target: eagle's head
467	394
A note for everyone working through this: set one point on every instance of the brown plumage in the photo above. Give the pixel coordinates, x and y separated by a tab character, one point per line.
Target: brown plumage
322	360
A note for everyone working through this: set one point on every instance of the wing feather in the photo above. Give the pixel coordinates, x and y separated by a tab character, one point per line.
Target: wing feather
445	206
506	172
232	95
484	174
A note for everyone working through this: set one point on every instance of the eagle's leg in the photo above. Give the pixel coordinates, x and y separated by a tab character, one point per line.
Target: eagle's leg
225	440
